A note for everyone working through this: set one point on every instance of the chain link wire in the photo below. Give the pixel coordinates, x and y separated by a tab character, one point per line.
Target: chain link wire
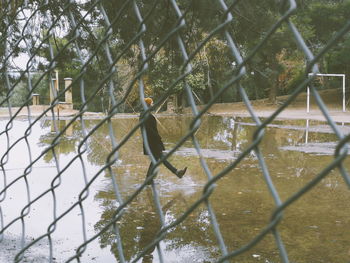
19	29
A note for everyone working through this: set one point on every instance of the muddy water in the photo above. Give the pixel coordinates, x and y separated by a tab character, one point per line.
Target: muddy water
316	228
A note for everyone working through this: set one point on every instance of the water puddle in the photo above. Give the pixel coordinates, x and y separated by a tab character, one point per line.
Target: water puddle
294	152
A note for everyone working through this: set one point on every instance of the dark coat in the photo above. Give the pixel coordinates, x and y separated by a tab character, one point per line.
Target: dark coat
153	137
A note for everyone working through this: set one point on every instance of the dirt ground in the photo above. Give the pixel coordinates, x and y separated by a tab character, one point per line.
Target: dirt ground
265	109
296	110
262	108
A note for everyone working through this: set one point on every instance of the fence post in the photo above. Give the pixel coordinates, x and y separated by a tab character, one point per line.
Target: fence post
68	94
53	94
36	99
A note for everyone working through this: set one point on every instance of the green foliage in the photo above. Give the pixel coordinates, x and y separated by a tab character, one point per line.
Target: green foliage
20	90
274	70
327	17
18	95
339	59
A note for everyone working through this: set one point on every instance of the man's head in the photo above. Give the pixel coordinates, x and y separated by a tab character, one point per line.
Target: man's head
149	101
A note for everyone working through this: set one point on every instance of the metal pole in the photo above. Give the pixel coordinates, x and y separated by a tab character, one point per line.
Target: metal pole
343	93
307	132
308	100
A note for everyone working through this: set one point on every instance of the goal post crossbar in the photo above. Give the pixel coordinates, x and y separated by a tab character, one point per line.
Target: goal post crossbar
325	75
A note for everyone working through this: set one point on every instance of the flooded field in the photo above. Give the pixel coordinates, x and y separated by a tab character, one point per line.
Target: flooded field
316	228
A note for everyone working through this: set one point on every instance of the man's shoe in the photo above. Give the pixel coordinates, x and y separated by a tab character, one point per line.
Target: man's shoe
181	173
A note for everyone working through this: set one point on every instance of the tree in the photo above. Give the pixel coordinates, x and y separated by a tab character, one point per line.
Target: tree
274	70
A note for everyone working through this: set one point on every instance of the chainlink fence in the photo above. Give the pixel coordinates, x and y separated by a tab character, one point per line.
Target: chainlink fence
33	28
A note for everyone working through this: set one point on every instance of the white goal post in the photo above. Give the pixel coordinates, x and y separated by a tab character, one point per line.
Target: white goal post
326	75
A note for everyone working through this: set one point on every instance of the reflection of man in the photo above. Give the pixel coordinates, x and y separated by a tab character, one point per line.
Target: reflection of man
151	226
155	143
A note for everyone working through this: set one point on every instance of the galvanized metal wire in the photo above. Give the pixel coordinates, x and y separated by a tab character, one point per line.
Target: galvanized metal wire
17	30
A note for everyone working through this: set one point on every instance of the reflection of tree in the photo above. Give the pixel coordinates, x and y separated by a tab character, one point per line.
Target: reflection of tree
98	143
215	132
67	141
100	146
140	225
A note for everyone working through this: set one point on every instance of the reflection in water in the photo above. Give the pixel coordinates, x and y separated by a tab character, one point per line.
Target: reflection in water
241	200
149	229
139	227
307	131
67	142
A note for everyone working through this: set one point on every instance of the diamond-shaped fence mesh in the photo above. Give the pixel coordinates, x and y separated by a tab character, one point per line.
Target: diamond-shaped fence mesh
111	51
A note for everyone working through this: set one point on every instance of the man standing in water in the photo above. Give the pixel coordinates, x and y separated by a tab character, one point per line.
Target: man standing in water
155	143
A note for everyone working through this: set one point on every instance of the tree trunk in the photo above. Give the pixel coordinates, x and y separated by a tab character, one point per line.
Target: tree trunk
209	82
273	91
211	93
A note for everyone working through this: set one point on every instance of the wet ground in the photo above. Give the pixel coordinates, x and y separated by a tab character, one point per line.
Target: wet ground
316	228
